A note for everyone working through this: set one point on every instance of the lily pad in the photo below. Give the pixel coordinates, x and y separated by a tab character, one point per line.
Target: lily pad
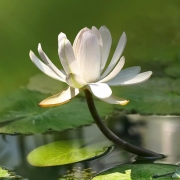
138	172
155	96
20	113
65	152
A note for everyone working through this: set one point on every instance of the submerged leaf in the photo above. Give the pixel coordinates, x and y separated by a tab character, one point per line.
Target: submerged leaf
136	172
65	152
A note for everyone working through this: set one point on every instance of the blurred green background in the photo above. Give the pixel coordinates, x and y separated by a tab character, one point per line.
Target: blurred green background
152	28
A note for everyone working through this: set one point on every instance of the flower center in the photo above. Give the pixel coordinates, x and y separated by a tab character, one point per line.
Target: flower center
75	81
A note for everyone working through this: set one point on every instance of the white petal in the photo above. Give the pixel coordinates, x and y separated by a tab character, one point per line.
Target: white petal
60	37
97	33
89	57
116	56
78	39
100	90
115	71
115	100
67	57
125	75
107	41
137	79
44	68
60	98
75	81
49	63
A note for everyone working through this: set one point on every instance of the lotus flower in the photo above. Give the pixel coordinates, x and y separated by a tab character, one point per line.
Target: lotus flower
84	65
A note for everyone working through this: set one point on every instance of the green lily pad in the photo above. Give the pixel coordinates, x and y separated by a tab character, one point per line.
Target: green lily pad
6	174
155	96
138	172
20	113
65	152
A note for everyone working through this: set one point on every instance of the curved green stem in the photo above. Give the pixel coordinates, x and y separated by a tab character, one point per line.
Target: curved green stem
112	137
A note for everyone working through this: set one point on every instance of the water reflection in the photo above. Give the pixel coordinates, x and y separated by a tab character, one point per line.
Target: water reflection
159	134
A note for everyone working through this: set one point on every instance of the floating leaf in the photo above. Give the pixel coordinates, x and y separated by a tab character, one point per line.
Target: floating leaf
137	172
65	152
156	96
19	112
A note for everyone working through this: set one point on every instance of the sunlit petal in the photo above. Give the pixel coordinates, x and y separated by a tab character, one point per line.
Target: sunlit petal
125	75
100	90
119	49
60	37
88	57
49	63
78	39
67	57
44	68
60	98
97	33
115	71
136	80
114	100
107	41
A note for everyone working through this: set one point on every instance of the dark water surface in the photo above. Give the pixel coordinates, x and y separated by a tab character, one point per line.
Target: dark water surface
157	133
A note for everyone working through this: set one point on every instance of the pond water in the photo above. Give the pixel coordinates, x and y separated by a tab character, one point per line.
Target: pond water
157	133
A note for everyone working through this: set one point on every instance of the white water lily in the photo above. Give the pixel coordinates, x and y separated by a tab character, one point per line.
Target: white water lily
84	67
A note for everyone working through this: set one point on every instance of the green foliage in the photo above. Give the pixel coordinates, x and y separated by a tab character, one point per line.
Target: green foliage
20	113
137	172
176	174
6	174
3	172
78	174
156	96
65	152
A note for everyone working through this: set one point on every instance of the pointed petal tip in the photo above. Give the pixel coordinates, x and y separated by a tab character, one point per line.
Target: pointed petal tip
61	36
39	46
124	33
123	103
31	54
